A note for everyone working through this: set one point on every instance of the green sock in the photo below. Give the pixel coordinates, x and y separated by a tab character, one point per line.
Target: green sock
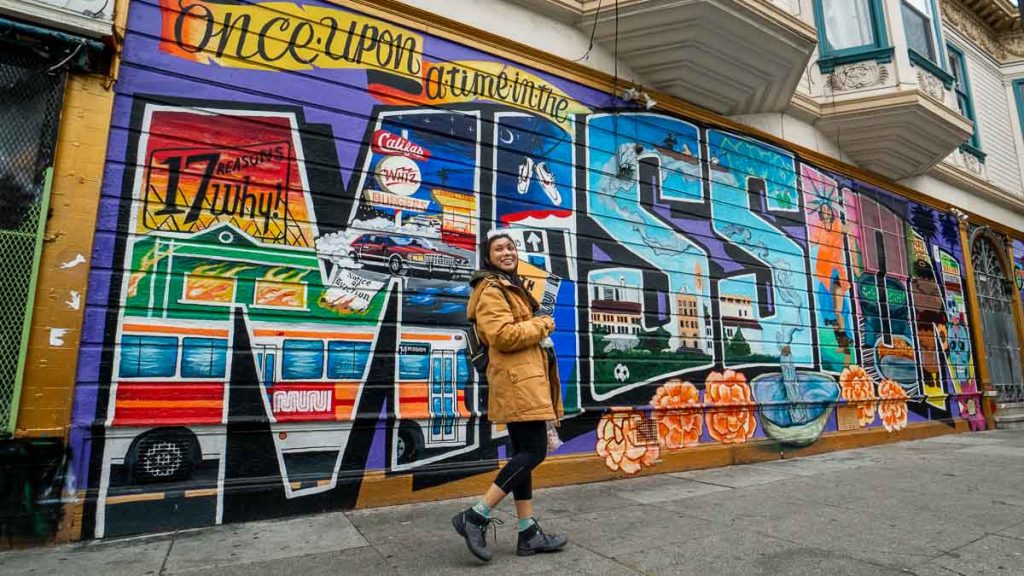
525	523
482	509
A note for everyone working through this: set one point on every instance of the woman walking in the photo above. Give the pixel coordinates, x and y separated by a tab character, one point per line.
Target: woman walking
524	393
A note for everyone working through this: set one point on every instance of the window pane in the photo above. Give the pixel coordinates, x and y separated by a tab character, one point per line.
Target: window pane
414	366
148	356
347	360
302	360
436	380
954	66
462	371
129	367
203	358
961	101
919	32
923	6
847	23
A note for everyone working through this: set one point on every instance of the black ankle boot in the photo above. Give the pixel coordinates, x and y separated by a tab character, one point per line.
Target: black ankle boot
534	540
472	526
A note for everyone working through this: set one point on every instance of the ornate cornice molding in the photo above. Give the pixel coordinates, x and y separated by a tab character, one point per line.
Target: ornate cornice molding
1004	48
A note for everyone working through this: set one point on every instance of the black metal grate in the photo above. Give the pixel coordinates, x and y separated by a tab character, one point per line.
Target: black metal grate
30	103
645	430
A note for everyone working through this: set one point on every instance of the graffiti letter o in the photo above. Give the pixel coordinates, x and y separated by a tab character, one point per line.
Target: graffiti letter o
179	25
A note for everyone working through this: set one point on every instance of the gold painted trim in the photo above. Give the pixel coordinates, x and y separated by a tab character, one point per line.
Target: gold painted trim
977	334
128	498
448	29
120	30
201	493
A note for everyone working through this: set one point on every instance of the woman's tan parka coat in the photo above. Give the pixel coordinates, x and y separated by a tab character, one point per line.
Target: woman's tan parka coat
522	385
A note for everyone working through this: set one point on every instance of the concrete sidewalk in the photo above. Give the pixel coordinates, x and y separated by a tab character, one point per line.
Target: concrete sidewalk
943	506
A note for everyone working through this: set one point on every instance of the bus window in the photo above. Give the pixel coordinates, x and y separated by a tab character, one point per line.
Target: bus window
413	366
449	378
203	357
347	360
436	380
148	356
461	369
302	360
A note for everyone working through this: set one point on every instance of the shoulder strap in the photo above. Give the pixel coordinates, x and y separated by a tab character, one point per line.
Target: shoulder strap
502	290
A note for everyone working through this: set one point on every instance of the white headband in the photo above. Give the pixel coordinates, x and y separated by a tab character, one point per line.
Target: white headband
495	232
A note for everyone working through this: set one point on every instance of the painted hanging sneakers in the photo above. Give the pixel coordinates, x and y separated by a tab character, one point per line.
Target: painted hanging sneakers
473	526
547	182
534	540
525	174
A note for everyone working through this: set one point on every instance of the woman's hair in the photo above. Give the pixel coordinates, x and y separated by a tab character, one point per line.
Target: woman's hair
485	263
485	246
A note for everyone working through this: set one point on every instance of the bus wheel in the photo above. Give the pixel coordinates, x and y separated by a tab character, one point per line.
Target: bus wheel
163	455
409	444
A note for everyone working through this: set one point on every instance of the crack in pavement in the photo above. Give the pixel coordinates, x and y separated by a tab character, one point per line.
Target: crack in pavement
167	555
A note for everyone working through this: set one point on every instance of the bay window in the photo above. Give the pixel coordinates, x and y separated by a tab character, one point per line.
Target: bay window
850	31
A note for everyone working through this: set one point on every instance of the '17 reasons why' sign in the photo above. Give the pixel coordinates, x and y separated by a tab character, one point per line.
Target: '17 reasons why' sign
203	169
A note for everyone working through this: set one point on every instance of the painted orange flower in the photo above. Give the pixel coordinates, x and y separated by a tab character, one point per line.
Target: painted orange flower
624	441
858	389
677	409
731	425
893	406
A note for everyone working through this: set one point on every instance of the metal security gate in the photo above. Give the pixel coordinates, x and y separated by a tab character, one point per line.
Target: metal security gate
30	102
998	323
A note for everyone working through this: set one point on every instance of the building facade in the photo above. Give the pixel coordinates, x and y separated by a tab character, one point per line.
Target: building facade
807	215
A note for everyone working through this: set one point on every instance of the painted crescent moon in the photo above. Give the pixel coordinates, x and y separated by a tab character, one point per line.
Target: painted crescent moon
501	137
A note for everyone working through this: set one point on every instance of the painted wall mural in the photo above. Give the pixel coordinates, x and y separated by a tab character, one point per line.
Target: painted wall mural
294	193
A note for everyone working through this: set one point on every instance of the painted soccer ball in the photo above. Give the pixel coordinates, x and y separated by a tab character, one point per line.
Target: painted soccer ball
621	372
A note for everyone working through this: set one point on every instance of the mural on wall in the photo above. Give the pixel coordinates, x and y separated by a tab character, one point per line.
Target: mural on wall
293	201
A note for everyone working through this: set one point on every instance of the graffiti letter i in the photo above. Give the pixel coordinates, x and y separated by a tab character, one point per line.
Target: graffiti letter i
266	205
883	292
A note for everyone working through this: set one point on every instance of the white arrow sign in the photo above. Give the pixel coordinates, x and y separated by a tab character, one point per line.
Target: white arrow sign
534	240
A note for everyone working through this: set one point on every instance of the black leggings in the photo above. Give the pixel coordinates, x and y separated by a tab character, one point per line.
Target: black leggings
529	443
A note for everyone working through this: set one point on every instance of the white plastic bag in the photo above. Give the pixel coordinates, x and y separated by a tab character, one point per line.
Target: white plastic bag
554	442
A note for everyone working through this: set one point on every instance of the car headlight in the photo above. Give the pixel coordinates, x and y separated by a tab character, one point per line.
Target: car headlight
416	257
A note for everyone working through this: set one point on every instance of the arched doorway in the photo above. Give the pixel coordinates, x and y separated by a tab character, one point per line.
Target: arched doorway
995	298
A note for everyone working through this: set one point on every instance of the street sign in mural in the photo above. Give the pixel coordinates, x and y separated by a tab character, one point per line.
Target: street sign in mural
296	194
